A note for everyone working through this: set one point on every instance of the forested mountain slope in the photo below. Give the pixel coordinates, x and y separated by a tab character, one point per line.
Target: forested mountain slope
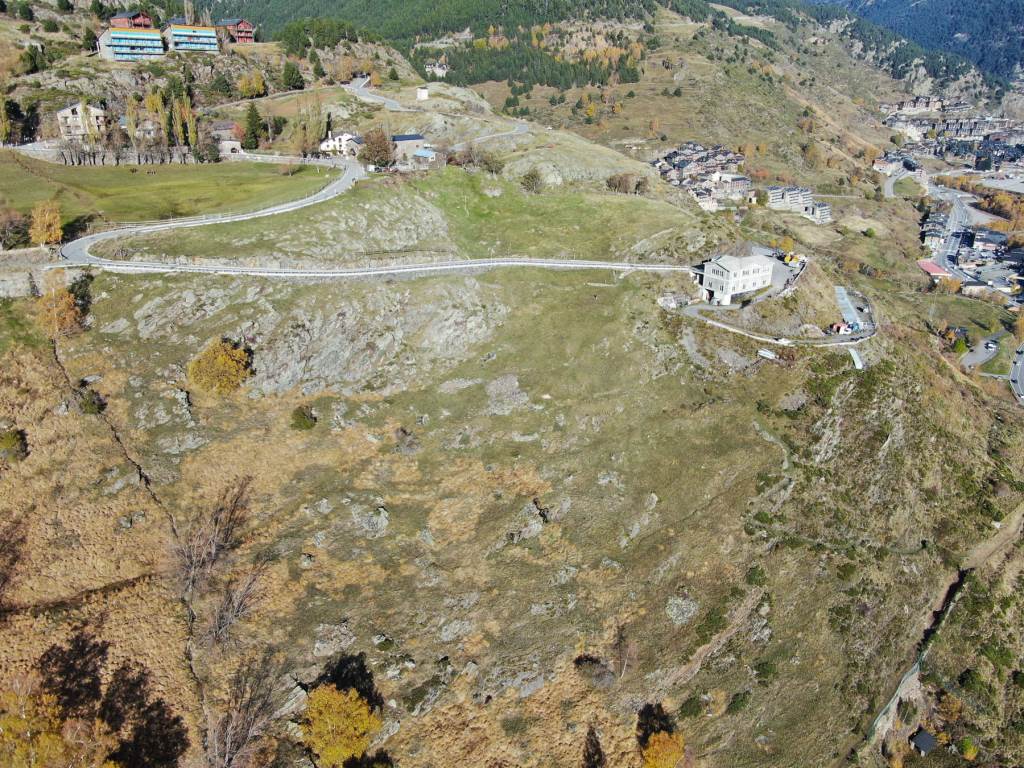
988	32
409	21
403	19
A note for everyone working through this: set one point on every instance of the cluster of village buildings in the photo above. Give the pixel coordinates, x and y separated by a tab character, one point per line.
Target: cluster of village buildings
933	128
962	128
80	121
919	105
132	36
711	176
901	162
411	150
979	258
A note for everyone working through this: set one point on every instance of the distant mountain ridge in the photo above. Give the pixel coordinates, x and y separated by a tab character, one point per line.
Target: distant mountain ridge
989	33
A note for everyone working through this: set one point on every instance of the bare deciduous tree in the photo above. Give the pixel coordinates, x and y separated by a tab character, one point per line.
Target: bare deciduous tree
211	534
624	650
240	595
235	735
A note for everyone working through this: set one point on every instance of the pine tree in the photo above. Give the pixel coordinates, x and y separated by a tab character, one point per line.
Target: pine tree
253	128
291	77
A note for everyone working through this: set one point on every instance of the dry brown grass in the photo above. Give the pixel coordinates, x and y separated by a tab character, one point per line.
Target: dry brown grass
79	563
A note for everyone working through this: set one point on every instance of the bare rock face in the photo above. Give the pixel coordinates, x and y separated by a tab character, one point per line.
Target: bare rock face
384	339
681	610
332	639
505	395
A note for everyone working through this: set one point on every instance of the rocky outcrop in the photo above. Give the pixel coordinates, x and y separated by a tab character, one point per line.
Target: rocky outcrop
385	339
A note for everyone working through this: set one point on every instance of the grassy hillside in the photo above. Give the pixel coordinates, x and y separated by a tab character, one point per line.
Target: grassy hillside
116	194
452	214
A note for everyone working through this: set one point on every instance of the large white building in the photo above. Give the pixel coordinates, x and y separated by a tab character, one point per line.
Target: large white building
727	275
793	199
799	200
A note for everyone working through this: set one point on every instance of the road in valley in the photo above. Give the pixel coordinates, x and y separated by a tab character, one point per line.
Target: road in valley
889	187
1017	375
979	355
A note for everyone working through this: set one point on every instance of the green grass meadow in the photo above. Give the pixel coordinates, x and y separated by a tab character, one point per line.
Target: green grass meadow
124	194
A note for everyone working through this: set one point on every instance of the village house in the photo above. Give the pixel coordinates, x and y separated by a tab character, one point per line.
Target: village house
225	133
923	742
729	186
975	289
933	270
933	231
347	144
888	164
705	200
792	199
406	145
988	240
132	20
727	276
919	105
81	120
145	128
428	159
237	30
438	69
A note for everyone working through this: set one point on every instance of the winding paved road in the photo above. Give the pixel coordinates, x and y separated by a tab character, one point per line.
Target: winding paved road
979	355
78	251
359	89
889	187
694	311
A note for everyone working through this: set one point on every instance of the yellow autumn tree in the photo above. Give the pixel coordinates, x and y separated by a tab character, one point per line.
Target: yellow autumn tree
664	750
338	725
220	368
252	85
57	310
32	734
46	228
1018	326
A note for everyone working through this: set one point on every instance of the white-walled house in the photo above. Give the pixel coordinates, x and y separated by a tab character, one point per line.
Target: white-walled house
726	276
80	120
342	144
